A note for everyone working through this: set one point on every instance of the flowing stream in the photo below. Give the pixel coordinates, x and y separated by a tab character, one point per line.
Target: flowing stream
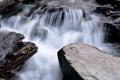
50	32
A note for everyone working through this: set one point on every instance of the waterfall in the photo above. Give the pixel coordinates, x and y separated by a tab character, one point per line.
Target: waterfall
50	32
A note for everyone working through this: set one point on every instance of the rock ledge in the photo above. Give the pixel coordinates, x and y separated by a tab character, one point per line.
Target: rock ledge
83	62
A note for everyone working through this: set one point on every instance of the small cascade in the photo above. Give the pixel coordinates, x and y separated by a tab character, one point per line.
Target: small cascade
64	19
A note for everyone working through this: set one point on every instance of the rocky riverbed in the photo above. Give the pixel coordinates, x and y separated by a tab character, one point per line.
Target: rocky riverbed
55	24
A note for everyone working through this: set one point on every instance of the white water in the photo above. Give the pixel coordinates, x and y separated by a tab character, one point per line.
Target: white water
44	64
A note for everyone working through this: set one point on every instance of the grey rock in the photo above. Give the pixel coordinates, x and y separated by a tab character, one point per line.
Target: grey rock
83	62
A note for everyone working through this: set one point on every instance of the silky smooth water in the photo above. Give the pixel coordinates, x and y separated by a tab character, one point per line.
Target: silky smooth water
60	31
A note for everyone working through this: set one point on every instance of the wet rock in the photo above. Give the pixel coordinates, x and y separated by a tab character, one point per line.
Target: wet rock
114	3
27	1
103	2
25	7
6	3
54	12
28	10
112	10
108	11
40	33
14	53
10	7
112	31
83	62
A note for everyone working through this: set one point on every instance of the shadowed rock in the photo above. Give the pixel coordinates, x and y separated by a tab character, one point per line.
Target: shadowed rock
83	62
14	53
112	31
112	10
10	7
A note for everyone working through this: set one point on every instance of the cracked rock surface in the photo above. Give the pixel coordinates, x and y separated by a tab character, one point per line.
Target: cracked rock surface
83	62
14	53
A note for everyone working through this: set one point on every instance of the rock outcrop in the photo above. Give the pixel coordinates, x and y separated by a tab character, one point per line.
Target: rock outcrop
110	9
6	3
14	53
111	13
112	30
13	7
114	3
83	62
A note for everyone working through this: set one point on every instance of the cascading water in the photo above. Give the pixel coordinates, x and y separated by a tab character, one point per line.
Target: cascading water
50	32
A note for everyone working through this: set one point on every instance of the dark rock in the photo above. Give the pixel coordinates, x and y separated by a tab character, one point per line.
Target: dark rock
79	61
108	11
114	3
26	7
14	53
10	7
103	2
103	10
27	1
112	31
12	10
112	10
6	3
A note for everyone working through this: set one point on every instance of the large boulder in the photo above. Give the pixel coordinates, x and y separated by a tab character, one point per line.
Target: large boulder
13	53
83	62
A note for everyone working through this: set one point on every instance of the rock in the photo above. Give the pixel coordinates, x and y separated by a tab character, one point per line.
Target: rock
27	1
25	7
6	3
108	11
54	12
27	10
9	41
103	2
38	32
10	7
14	53
83	62
112	31
112	10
